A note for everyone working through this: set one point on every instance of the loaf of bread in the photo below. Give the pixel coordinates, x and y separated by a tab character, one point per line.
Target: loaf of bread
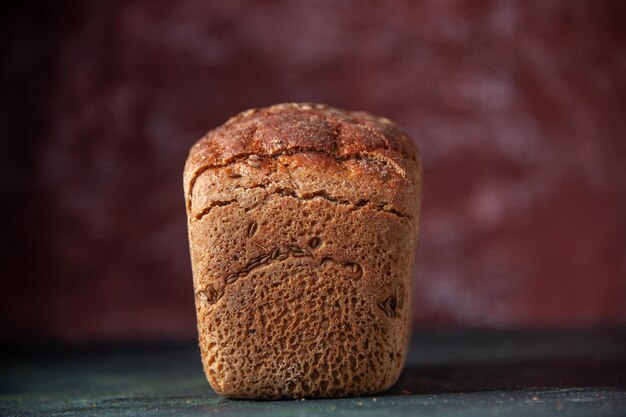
303	222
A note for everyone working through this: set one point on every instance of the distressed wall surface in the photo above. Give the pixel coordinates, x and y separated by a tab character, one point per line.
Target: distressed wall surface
518	108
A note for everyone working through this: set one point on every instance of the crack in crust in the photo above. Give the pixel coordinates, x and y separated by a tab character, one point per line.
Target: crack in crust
211	295
255	157
393	303
210	207
286	192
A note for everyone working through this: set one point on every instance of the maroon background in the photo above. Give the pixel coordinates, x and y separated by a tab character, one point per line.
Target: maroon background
519	109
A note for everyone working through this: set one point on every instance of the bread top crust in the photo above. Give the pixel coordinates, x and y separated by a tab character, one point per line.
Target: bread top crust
291	129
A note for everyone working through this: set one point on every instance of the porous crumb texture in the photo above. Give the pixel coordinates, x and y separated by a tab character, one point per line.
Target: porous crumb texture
303	221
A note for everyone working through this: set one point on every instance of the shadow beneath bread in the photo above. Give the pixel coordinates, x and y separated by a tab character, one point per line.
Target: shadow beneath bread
502	376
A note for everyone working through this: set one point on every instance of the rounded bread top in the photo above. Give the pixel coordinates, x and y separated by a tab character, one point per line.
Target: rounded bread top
292	128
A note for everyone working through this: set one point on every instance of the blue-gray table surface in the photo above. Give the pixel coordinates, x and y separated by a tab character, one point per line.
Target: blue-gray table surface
453	373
